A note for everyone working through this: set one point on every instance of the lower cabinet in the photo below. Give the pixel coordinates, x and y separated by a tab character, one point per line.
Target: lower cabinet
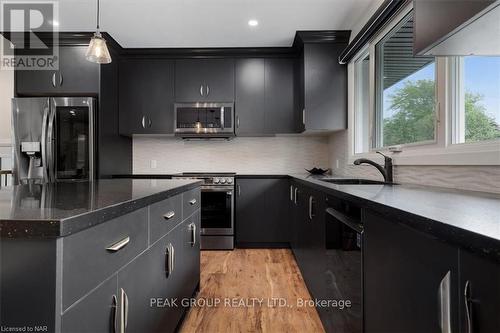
410	279
97	312
479	294
262	212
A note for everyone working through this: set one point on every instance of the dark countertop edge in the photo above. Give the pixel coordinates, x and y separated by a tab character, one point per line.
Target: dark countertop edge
143	176
262	176
49	229
477	243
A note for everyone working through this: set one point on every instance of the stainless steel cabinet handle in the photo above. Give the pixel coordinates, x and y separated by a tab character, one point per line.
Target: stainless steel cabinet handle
295	196
192	228
304	116
143	121
60	79
169	260
54	80
444	304
237	121
114	305
119	245
124	311
169	215
208	90
291	192
468	306
193	202
239	190
201	90
311	203
149	122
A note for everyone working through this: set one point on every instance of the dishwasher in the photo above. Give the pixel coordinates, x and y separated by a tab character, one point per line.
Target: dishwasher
344	264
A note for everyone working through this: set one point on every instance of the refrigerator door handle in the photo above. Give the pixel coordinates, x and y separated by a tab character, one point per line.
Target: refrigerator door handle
45	119
50	144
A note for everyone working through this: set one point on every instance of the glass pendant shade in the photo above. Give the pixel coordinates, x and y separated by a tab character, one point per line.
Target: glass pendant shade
98	51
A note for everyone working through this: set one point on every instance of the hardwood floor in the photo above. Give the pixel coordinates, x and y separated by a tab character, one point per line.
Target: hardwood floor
240	280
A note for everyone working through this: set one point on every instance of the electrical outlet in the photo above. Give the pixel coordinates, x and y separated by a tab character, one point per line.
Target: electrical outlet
337	164
153	164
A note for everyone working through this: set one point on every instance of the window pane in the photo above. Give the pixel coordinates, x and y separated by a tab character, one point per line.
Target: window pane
481	98
405	94
361	114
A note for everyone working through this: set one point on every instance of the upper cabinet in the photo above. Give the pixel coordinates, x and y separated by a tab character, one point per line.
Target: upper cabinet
76	76
146	96
264	91
322	81
204	80
470	27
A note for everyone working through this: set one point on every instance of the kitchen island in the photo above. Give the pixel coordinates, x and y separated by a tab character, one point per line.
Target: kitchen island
94	256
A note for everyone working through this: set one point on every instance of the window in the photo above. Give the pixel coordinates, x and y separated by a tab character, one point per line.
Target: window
362	104
476	114
440	110
405	90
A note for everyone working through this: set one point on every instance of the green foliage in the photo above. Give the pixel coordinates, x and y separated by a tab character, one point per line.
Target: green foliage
414	118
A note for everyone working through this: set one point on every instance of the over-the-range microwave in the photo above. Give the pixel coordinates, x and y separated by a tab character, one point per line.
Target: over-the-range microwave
204	120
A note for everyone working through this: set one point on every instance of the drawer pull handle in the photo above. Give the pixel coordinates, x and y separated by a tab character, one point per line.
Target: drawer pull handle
192	228
119	245
169	259
192	202
124	311
114	306
169	215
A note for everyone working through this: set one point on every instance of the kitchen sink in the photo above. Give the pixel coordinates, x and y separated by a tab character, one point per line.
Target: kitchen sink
355	181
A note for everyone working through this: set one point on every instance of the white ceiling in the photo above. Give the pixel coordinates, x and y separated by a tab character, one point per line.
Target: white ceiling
211	23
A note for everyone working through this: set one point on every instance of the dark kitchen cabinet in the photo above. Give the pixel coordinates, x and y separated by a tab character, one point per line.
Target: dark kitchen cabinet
409	279
321	88
279	96
146	96
76	76
97	312
262	212
250	95
264	92
204	80
480	281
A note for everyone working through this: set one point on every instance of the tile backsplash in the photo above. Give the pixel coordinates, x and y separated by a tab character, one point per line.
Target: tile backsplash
476	178
258	155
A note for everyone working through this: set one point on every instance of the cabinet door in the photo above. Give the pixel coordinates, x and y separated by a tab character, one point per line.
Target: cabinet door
146	96
189	255
219	80
98	312
481	278
201	80
78	76
408	271
33	83
325	87
249	104
262	211
279	99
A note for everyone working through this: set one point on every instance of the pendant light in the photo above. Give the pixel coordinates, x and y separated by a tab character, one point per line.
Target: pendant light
98	51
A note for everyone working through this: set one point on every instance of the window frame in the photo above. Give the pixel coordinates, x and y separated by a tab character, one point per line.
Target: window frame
440	151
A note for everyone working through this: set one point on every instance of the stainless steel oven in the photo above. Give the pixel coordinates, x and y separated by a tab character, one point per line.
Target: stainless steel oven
204	120
217	209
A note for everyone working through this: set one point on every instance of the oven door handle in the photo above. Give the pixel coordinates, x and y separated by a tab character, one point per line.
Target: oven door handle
217	189
349	221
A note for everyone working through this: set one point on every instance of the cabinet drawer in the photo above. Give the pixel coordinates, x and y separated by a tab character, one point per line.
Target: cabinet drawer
88	258
164	216
190	202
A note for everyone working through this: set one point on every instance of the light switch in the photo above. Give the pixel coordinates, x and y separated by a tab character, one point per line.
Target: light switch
153	164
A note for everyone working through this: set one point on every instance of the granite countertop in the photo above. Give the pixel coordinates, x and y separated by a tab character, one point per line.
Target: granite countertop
466	218
61	209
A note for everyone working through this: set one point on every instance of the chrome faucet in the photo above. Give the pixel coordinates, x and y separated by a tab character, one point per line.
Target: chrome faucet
385	170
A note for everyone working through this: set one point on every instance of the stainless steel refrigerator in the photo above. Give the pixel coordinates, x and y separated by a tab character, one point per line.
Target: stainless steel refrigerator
53	139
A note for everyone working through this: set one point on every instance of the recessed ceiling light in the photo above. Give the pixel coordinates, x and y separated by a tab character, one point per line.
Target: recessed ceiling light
253	23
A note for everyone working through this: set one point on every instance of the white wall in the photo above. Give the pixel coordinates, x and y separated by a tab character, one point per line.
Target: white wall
263	155
6	94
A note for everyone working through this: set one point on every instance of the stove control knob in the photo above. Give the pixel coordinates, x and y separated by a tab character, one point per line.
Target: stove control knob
229	180
216	180
223	180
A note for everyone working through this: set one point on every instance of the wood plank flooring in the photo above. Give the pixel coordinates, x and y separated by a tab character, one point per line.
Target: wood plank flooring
249	276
